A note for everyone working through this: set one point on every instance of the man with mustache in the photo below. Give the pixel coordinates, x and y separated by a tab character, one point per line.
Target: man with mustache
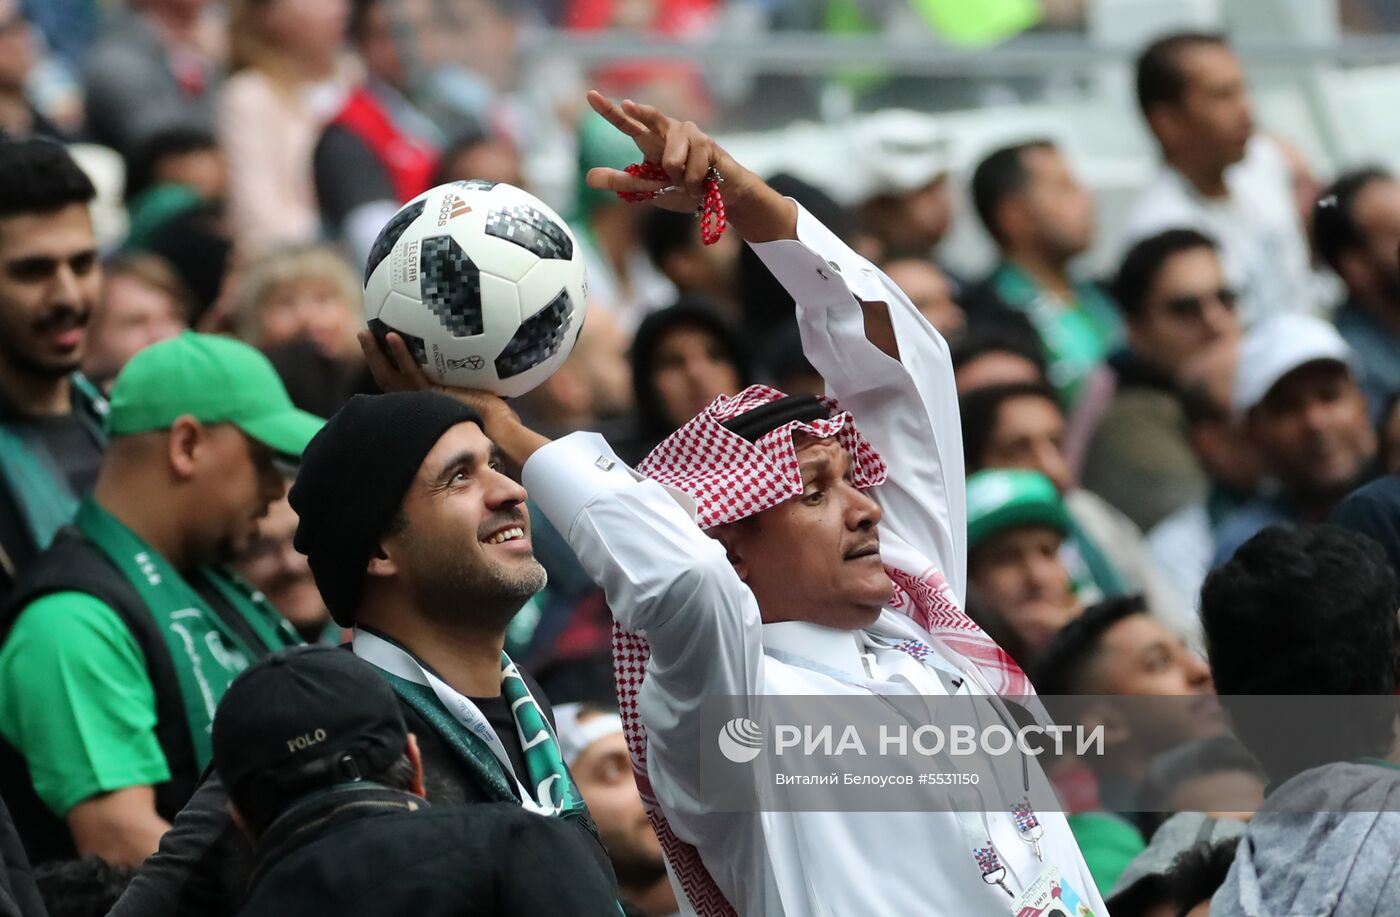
51	436
747	556
119	640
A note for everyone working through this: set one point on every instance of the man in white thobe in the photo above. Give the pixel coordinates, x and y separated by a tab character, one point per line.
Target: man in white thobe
793	597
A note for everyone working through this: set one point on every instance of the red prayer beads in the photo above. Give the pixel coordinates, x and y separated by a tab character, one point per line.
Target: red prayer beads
711	210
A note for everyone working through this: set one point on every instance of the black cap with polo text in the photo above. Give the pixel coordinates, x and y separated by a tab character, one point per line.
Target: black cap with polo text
303	719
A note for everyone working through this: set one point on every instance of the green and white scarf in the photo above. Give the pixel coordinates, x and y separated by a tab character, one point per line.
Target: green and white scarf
45	500
546	788
207	654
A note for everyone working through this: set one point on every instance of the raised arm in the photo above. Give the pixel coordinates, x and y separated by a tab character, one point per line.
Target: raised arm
880	358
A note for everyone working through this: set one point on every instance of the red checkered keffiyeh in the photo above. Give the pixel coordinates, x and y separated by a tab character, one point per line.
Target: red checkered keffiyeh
730	478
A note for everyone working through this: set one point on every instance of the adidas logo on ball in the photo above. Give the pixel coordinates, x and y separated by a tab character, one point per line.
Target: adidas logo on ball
452	208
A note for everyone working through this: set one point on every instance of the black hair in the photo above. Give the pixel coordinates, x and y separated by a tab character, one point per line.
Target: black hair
468	137
688	312
1160	79
999	176
1200	758
37	176
1142	898
179	140
1144	261
981	412
1198	872
665	231
983	338
1305	611
1334	215
88	887
259	813
1063	667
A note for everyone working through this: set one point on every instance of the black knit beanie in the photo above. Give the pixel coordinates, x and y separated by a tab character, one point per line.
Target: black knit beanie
353	478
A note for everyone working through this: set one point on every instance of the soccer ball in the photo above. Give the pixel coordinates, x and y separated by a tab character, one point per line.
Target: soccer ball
483	281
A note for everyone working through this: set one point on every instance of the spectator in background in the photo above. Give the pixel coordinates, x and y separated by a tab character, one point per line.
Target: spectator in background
305	293
992	355
1218	176
186	156
154	68
620	275
1183	544
1358	233
931	292
1311	611
1116	649
594	748
1305	414
379	151
143	302
133	606
1021	426
477	154
273	566
51	435
1214	775
683	358
1388	433
1041	218
288	81
905	157
18	116
705	272
340	822
1016	526
1176	301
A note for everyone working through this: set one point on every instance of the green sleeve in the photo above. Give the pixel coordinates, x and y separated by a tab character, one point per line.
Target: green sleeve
1108	844
76	701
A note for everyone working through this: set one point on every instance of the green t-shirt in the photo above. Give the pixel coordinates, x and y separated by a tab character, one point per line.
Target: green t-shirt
1108	842
76	701
1077	336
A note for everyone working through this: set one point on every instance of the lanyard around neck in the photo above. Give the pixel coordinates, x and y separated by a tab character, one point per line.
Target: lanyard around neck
397	661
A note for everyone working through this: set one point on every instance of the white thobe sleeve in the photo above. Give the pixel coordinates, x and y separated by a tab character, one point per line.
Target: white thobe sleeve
907	408
663	576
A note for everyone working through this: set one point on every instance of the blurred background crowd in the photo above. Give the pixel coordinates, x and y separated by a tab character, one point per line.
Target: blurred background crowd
1162	238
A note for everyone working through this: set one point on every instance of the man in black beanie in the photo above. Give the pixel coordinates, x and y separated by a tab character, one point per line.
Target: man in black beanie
420	542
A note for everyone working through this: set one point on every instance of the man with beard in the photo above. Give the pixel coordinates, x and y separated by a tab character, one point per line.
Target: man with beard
1305	414
119	640
1357	222
596	751
419	541
50	417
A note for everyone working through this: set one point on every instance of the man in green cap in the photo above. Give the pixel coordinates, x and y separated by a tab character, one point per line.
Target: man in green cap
121	638
1016	524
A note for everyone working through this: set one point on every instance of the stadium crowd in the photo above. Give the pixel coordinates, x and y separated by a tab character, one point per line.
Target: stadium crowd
1180	481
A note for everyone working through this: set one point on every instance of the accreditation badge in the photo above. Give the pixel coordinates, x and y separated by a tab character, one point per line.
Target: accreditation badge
1050	895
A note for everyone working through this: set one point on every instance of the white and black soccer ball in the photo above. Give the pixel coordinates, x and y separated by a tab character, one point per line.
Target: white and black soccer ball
483	281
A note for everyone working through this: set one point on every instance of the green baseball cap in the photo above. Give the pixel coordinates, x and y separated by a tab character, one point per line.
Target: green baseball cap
213	379
1005	499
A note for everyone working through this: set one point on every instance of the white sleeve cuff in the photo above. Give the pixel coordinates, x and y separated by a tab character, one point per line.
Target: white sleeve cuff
808	266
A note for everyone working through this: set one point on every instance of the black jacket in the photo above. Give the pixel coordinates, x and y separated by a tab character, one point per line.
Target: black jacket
18	895
203	860
373	852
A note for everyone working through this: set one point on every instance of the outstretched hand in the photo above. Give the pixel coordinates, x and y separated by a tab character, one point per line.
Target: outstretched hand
681	148
687	154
